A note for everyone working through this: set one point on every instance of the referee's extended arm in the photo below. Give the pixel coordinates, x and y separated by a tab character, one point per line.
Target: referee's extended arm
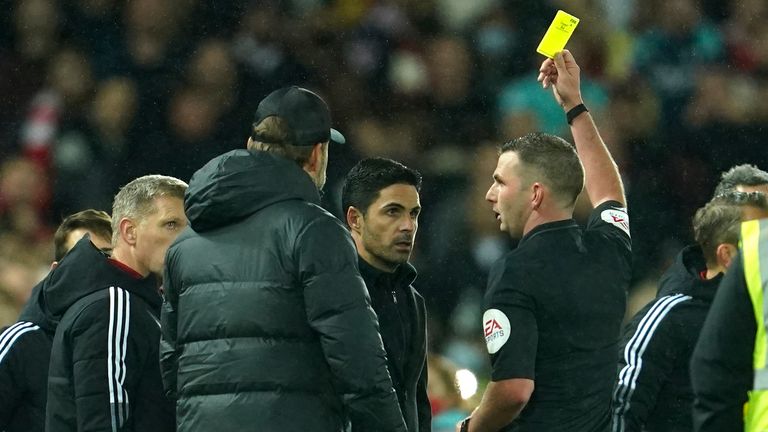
502	402
603	182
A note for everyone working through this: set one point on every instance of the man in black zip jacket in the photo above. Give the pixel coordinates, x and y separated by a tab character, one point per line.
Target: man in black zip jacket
653	391
25	347
267	324
380	198
104	373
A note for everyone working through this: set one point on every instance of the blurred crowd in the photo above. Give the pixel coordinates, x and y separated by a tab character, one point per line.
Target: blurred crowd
94	93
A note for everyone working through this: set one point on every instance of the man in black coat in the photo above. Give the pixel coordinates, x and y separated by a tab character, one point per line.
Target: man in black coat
267	324
104	372
380	199
25	347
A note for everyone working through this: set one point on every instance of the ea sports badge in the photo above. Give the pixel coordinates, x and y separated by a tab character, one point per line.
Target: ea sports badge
617	217
496	330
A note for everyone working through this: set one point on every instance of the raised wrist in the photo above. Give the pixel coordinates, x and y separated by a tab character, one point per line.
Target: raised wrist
570	105
574	112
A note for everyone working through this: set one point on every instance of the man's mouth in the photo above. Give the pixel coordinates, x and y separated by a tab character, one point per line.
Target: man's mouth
404	244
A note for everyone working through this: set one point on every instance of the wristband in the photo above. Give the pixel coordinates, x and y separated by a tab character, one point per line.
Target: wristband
465	425
575	112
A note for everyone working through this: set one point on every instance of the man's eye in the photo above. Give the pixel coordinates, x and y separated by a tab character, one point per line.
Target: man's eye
171	224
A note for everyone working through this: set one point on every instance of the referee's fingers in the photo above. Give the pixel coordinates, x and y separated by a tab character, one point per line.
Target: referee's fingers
546	66
560	62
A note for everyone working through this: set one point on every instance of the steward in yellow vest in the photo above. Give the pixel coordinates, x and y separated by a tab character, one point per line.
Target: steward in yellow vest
728	368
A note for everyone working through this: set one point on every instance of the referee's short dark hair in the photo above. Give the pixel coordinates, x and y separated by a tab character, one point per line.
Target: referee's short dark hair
745	175
550	160
719	220
95	221
366	179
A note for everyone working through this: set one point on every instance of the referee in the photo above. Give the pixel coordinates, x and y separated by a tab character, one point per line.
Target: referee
554	305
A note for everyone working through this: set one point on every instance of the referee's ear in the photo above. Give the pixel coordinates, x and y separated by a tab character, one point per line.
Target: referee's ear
537	196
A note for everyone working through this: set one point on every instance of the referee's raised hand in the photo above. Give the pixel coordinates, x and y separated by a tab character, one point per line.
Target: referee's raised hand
602	179
563	75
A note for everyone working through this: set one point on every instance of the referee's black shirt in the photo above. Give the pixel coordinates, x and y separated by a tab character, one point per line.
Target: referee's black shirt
553	312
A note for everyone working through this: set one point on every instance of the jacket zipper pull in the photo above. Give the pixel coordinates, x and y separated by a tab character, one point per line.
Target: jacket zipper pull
394	296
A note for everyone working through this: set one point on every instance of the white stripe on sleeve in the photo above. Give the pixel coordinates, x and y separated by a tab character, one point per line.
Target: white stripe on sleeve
633	355
12	334
117	345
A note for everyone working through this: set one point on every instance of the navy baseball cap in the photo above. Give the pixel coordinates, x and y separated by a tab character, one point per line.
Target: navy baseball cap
305	113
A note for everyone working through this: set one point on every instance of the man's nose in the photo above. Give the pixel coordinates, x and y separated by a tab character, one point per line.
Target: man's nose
408	224
491	194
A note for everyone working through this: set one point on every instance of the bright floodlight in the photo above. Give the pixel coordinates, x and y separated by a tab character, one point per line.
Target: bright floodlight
467	383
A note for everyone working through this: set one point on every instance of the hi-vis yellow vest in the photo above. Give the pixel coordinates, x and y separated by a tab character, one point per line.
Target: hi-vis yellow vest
754	250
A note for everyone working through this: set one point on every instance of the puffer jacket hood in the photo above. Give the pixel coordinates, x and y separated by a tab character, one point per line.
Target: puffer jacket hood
684	276
241	182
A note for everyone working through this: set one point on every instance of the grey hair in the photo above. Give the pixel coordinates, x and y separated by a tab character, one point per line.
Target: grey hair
136	199
745	175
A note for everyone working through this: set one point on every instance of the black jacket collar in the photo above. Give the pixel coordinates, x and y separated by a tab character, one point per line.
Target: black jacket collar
546	227
83	270
404	274
684	276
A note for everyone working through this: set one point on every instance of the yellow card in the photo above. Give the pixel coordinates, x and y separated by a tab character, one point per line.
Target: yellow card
557	34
